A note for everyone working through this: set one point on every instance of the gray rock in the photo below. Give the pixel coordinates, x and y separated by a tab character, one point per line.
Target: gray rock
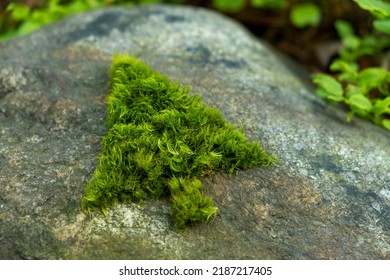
328	197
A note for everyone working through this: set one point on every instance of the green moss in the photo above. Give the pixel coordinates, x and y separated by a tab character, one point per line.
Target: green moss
160	140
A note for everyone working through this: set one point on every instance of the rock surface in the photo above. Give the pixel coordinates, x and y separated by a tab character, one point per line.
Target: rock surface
328	197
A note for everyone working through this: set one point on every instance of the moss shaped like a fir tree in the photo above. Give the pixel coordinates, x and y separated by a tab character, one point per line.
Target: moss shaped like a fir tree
160	140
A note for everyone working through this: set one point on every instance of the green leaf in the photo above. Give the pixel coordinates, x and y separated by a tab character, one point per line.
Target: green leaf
386	124
344	28
372	77
344	66
19	11
381	106
28	27
348	69
360	101
377	8
382	25
229	5
304	15
322	93
329	86
351	42
352	90
347	34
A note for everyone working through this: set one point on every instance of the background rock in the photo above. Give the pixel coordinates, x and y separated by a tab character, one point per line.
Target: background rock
328	197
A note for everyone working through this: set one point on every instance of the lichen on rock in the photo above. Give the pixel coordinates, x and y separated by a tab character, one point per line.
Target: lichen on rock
160	140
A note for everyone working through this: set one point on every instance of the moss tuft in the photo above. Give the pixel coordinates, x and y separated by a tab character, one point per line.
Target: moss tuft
160	140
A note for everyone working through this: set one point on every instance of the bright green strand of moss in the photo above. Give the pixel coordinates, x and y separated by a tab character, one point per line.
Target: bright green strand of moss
160	140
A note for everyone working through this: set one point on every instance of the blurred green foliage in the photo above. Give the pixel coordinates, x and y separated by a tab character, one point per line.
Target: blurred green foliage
19	18
236	5
31	20
305	14
366	91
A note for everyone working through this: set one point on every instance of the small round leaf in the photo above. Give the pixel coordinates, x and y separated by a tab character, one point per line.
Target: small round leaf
382	25
304	15
360	101
329	85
